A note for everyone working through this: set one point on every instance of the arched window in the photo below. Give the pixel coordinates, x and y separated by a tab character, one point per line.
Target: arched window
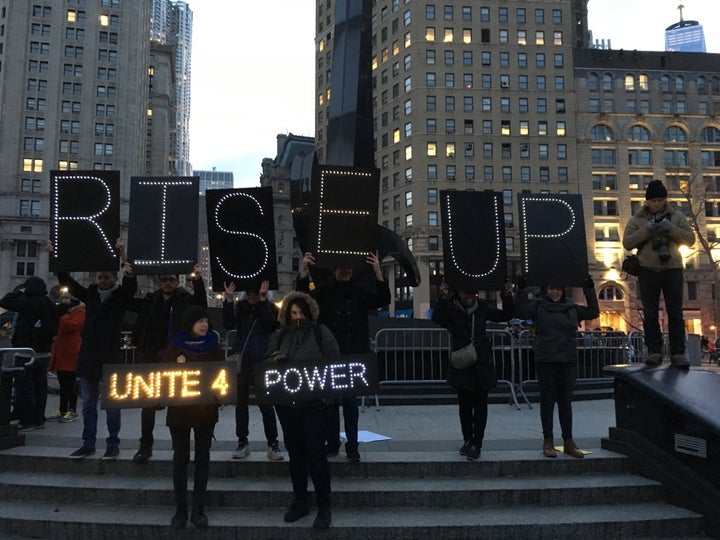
607	82
675	134
639	133
665	83
716	85
592	81
629	82
711	134
601	132
679	83
702	84
643	82
611	292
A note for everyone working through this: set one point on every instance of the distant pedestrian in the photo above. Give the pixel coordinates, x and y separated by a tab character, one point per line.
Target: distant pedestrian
464	317
556	319
195	342
64	355
36	327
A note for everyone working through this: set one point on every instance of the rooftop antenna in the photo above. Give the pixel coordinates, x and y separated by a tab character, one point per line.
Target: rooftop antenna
680	8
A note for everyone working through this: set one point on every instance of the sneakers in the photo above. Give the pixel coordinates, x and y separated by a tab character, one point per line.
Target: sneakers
679	361
24	428
82	452
242	451
464	448
57	415
653	359
68	417
297	510
351	452
274	453
143	454
473	451
323	519
111	453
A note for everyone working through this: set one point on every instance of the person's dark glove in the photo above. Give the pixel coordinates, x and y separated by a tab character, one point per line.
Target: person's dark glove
588	283
521	283
664	226
652	226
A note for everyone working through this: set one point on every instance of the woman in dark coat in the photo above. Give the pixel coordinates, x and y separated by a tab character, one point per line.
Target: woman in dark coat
556	319
194	343
464	317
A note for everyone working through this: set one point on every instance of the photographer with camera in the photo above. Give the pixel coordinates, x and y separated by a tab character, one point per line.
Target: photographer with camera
657	230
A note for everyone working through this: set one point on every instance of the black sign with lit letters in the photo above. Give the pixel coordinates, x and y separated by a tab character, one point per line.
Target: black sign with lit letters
130	386
296	383
241	232
343	221
552	234
473	229
84	220
163	228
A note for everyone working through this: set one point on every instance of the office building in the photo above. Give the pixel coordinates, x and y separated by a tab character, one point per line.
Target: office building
74	95
214	179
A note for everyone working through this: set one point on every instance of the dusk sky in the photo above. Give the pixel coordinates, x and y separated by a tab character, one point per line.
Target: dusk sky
253	69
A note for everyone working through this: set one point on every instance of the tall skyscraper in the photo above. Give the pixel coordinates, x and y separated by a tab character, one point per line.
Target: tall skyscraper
214	180
74	95
685	36
171	25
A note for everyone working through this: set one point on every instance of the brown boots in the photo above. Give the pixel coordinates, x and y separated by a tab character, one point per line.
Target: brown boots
571	449
549	448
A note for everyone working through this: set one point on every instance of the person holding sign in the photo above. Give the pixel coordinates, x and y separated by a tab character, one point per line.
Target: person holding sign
305	425
557	319
657	231
195	342
464	317
344	307
159	316
105	303
253	318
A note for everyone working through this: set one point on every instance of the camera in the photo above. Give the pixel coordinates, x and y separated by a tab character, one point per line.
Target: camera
660	244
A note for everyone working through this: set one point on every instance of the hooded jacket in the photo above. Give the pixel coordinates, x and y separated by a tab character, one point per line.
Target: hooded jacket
66	346
295	340
37	322
638	236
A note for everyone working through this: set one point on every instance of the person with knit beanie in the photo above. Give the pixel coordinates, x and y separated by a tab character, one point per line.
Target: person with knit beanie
195	342
657	231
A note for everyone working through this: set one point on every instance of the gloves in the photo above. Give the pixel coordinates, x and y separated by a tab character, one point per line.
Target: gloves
664	226
652	226
588	283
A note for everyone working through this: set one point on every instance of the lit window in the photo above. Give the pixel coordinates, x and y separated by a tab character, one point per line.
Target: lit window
431	149
430	33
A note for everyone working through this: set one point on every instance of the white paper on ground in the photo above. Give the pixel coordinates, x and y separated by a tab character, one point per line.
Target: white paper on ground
367	436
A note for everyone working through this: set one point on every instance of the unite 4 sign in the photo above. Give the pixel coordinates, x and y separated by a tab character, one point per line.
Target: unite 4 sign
241	233
84	220
163	227
167	384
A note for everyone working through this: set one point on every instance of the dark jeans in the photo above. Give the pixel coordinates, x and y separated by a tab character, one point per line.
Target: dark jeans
304	433
31	391
242	413
90	394
473	408
351	415
557	381
181	459
68	397
147	425
670	283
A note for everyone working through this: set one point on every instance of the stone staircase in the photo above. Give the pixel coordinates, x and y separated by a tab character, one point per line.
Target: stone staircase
426	494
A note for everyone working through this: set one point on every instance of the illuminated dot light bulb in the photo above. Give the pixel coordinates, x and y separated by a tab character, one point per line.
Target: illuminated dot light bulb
452	246
526	235
242	233
337	211
91	218
164	185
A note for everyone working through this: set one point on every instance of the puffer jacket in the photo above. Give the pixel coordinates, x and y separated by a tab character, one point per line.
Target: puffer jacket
31	303
637	236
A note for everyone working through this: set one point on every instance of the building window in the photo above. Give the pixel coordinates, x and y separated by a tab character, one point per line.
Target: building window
433	243
432	197
29	208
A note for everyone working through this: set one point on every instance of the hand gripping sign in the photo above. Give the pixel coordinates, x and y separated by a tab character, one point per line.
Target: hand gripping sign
554	248
84	220
297	383
130	386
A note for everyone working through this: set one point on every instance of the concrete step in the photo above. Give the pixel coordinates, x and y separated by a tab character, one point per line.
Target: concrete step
67	520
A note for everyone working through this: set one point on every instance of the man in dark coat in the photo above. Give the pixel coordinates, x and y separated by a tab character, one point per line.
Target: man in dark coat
106	302
36	327
344	307
160	315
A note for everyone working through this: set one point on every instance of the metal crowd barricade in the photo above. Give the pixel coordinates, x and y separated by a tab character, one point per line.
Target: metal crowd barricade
595	350
229	342
505	357
637	349
8	370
